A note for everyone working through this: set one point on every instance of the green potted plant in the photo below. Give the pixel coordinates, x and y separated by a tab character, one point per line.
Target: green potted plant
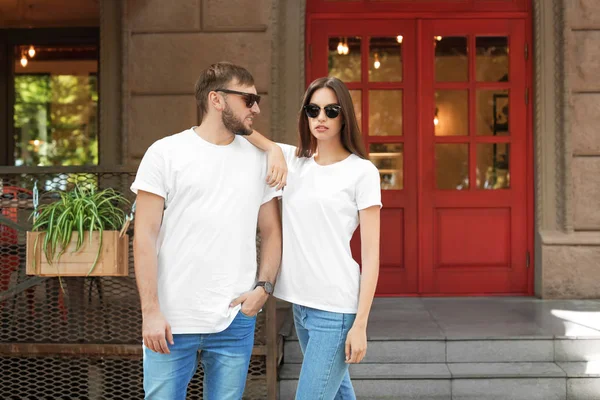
79	235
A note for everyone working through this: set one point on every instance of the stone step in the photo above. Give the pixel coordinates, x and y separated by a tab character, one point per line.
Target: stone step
497	350
476	381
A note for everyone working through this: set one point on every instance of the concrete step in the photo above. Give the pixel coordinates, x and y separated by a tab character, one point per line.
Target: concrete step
472	381
496	350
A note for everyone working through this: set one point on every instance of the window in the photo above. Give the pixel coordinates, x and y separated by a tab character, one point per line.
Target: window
53	98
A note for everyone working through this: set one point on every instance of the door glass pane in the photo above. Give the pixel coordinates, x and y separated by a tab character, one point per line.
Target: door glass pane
344	58
357	101
492	59
451	60
493	162
389	159
56	105
452	166
451	116
385	112
385	59
492	113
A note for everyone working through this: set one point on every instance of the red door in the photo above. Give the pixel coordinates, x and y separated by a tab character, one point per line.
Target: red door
473	220
434	99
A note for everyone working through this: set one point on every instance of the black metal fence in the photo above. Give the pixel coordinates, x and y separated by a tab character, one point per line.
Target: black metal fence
83	341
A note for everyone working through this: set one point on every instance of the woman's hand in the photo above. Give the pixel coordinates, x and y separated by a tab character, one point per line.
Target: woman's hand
276	167
356	345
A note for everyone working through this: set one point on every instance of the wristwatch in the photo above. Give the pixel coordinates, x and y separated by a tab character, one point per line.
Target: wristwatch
268	286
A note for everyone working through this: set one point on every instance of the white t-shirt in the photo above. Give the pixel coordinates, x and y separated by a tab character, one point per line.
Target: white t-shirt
207	241
320	215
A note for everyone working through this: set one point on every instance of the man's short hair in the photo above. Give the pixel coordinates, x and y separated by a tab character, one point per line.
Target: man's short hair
218	76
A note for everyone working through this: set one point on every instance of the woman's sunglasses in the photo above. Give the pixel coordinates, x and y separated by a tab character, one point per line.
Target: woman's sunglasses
331	110
249	98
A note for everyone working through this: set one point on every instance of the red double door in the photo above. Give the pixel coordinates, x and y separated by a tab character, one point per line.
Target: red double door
443	110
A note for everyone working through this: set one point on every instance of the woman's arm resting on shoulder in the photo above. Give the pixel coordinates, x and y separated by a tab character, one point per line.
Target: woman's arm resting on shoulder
276	167
356	342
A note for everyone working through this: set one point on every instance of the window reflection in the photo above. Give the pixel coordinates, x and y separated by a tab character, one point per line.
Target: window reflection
451	113
385	59
451	60
452	166
389	160
492	113
492	59
493	166
385	112
344	58
56	106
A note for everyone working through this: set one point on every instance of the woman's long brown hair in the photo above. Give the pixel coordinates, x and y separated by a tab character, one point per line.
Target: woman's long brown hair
350	134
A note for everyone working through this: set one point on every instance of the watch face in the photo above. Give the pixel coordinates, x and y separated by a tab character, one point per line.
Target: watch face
269	287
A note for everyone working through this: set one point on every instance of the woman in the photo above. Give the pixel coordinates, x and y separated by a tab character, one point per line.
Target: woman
331	188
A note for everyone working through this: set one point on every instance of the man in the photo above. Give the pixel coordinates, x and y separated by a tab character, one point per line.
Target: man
200	195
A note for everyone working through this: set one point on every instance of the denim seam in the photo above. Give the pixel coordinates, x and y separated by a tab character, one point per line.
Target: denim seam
333	360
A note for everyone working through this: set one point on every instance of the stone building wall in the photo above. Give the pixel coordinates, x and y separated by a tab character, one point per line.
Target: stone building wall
571	252
168	44
48	13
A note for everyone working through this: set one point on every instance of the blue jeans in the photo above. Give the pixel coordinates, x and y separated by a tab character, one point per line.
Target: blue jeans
225	357
322	335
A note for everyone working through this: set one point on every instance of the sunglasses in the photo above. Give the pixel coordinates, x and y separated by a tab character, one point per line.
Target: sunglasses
249	98
331	110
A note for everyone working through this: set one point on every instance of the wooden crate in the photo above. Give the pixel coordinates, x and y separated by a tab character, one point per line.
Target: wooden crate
113	259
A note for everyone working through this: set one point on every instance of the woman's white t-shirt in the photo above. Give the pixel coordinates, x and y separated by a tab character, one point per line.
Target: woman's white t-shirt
320	215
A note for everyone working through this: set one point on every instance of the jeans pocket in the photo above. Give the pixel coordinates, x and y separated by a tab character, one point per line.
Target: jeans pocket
246	316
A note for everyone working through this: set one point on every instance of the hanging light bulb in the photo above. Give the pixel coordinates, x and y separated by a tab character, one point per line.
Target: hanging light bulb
399	38
377	64
438	38
340	47
31	52
23	59
346	48
436	121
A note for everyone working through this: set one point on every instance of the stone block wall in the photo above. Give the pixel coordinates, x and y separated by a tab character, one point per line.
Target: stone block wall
48	13
571	257
168	44
582	65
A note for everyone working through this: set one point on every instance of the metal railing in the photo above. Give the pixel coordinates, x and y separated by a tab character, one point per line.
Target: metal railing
84	341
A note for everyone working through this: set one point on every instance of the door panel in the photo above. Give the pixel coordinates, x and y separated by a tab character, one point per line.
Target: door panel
473	208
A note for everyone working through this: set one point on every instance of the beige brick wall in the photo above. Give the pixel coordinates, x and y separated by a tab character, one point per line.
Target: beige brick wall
167	44
582	60
570	266
48	13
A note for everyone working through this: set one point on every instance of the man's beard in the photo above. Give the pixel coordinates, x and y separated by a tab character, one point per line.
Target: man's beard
234	124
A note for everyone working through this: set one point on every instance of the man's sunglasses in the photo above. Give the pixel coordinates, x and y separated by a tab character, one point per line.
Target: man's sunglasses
249	98
331	110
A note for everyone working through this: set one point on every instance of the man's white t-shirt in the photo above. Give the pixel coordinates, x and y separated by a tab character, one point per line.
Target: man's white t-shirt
207	241
320	215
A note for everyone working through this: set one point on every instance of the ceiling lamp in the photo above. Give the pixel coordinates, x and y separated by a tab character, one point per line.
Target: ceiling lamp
377	63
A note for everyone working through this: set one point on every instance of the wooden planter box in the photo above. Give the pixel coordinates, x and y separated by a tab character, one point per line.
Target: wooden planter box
113	259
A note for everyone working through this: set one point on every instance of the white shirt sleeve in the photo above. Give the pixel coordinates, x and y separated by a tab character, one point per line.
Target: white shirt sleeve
151	173
270	193
368	188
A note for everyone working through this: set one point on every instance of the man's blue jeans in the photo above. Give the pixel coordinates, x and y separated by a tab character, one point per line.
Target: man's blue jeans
322	336
224	356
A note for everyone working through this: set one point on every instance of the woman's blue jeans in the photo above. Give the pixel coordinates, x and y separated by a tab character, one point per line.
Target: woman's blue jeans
322	335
